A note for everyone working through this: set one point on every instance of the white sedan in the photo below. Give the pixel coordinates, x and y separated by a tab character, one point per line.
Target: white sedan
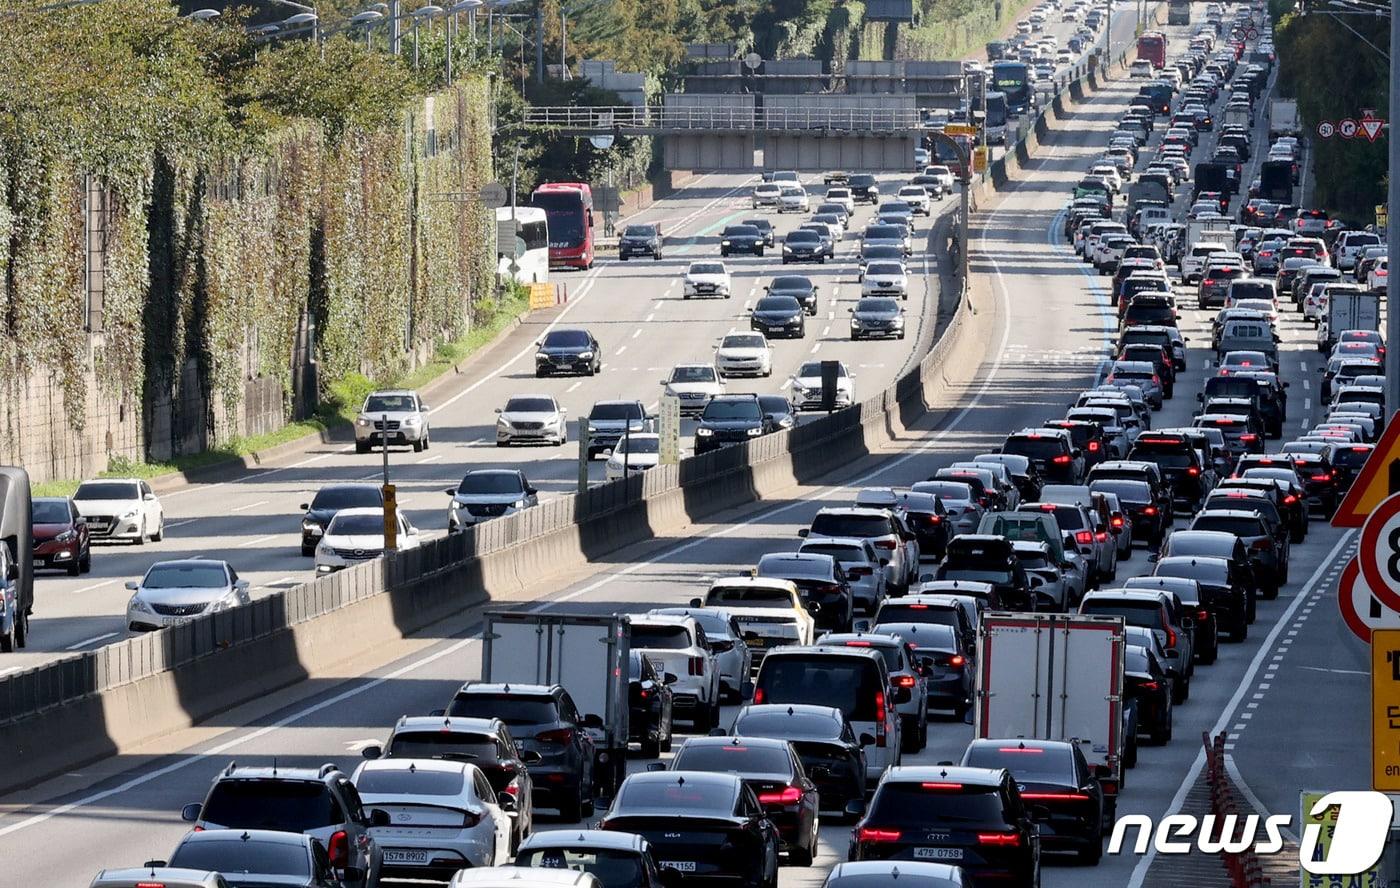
636	452
766	195
885	279
443	816
172	592
694	385
794	199
357	535
917	197
744	354
707	279
807	386
120	508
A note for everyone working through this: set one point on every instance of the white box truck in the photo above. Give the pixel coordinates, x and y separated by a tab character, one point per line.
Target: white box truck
1056	677
587	655
1283	118
1349	307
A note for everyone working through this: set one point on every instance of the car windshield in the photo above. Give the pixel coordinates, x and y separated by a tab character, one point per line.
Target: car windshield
108	490
441	744
388	403
1127	491
733	758
1204	570
846	683
666	638
396	781
186	576
877	306
336	498
790	283
744	340
1038	447
530	405
1030	764
1239	525
732	411
356	525
615	869
804	236
778	304
765	721
930	806
566	339
489	482
282	805
50	512
948	490
639	231
509	708
614	411
813	369
899	612
1147	614
884	232
883	268
707	268
836	524
844	555
694	797
740	231
639	444
251	856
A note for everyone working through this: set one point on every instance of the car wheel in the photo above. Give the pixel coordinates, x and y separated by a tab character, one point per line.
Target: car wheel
571	811
702	720
75	568
1209	655
141	536
21	629
307	552
1091	853
800	856
651	748
909	737
418	446
7	641
1240	633
363	446
86	561
427	442
1181	692
160	531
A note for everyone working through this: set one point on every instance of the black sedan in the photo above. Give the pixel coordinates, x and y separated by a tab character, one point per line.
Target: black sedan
649	705
799	287
776	316
330	500
1063	795
1149	686
568	351
764	227
771	768
828	747
804	245
741	239
639	240
706	826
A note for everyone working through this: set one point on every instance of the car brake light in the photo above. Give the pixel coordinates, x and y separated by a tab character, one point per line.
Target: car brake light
1150	510
1101	537
1054	796
935	519
1150	686
1084	537
338	849
696	666
957	660
150	885
511	789
1361	449
1093	446
790	795
759	696
1062	459
1207	282
880	719
1110	787
644	693
1156	378
558	735
1247	438
938	787
1322	476
1117	521
904	681
858	644
1171	637
885	544
998	838
866	834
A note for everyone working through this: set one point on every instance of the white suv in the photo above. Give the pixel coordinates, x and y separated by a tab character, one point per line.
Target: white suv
917	197
678	646
794	199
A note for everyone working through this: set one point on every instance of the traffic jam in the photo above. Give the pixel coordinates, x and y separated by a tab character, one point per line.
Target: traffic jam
784	714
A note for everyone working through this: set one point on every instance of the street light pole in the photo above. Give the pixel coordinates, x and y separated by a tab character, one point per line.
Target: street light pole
539	42
1392	240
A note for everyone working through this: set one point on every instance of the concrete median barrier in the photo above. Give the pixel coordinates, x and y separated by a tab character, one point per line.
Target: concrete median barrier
58	716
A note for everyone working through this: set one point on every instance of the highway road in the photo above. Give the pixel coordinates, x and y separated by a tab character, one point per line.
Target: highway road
1283	693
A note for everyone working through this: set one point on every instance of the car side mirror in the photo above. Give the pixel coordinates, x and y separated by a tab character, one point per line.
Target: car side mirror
695	602
132	585
372	752
867	739
354	874
437	713
1286	385
530	491
669	678
304	507
498	410
802	532
855	808
656	766
901	695
507	802
593	720
530	757
190	813
451	491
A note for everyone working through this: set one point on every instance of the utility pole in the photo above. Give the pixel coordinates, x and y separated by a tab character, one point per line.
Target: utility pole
1392	239
584	442
394	27
563	44
390	493
539	42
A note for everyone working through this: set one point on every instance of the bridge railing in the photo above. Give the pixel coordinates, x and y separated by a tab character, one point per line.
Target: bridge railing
609	119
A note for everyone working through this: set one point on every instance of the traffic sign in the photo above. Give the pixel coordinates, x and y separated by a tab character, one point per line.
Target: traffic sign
1360	610
1385	710
494	195
1346	127
1379	478
959	129
1382	214
670	431
1379	554
1371	127
1325	129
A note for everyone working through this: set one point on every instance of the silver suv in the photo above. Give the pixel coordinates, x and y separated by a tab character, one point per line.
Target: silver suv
397	416
318	802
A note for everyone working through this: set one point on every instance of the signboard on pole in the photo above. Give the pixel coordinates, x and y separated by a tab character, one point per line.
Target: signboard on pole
959	129
493	195
1385	710
670	432
1379	478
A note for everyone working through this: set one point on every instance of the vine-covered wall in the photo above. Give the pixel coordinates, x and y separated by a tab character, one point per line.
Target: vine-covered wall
224	231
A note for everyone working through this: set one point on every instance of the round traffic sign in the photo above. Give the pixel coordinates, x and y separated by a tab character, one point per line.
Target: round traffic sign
1346	127
1252	33
1325	129
1237	35
752	61
1379	554
1359	608
493	195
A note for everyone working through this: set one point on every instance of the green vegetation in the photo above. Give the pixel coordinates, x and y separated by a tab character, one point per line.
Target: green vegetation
953	30
1333	75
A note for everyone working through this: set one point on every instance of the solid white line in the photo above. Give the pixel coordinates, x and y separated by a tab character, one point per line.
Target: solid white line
87	641
430	459
170	524
574	386
1250	797
95	585
1227	714
1334	671
251	543
246	508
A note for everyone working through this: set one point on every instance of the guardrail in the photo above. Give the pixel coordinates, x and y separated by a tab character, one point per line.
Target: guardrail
615	119
1243	867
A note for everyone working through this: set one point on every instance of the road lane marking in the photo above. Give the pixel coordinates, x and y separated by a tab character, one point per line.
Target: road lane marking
826	330
93	586
246	508
1334	671
620	349
87	641
637	332
430	459
647	319
574	386
1305	385
814	348
170	524
250	543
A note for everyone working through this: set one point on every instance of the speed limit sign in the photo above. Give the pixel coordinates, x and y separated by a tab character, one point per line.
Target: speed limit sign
1379	554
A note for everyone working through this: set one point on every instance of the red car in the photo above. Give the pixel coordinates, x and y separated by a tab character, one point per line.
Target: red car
61	538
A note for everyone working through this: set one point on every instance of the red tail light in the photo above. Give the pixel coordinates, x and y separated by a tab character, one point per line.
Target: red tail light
935	519
790	795
880	719
1192	471
957	660
885	544
1322	476
1171	637
943	787
511	789
866	834
558	735
1093	446
1005	840
904	681
1248	438
1084	537
1101	536
1290	500
644	693
696	665
758	696
1260	545
1150	510
1202	615
1157	379
1110	787
1062	460
1150	686
1116	521
1055	796
338	849
1207	282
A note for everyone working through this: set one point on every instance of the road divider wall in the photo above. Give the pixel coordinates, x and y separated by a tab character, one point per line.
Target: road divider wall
57	716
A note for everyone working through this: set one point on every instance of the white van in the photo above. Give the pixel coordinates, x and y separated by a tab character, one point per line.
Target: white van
1193	261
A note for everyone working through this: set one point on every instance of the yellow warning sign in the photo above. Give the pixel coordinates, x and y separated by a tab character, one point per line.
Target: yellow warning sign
959	129
979	158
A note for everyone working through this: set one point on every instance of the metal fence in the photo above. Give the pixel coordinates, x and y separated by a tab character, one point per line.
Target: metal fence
741	119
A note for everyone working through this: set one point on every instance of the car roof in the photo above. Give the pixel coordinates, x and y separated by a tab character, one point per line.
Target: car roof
169	876
949	773
447	724
520	689
587	838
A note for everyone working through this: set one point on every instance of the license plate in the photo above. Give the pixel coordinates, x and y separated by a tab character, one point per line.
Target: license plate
680	866
395	855
938	854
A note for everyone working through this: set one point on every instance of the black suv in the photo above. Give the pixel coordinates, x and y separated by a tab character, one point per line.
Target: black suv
1051	451
1179	461
330	500
977	811
318	802
741	239
799	287
729	419
639	240
1062	789
864	188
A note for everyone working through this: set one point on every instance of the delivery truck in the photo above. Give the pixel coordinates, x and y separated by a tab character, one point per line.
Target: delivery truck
17	583
1057	677
587	655
1283	118
1349	307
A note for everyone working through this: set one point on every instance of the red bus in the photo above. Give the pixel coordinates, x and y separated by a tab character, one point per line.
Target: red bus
1152	46
568	208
